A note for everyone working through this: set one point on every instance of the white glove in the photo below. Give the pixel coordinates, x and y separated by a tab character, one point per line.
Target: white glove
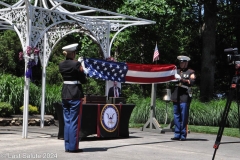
80	59
83	66
177	76
85	70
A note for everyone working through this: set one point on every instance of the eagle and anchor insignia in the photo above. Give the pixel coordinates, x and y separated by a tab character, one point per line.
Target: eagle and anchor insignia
110	117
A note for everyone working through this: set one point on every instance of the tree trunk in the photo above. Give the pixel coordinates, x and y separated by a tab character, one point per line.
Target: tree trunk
208	52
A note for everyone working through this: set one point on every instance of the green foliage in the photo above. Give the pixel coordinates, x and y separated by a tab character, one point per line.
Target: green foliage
203	114
88	48
9	2
6	109
53	74
103	4
141	112
31	109
10	47
170	31
128	90
210	113
11	89
35	93
133	99
53	95
94	87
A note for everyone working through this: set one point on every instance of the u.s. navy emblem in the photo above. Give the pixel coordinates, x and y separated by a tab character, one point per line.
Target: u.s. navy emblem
109	117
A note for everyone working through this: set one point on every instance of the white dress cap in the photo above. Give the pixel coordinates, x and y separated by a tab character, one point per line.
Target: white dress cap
183	58
71	47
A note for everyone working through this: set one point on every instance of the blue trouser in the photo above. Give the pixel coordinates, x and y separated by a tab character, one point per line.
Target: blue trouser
72	121
180	112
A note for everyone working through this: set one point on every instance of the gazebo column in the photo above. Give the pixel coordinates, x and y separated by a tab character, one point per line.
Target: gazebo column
25	108
43	82
27	80
43	95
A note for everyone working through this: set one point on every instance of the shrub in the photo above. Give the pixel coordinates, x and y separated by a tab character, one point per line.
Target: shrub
5	109
12	91
31	109
11	88
53	95
204	114
141	112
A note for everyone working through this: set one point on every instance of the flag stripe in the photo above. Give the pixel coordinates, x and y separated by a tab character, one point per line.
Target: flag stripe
144	73
150	67
146	80
149	74
129	72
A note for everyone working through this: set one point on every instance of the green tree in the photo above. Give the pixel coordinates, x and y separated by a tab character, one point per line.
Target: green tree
10	47
176	32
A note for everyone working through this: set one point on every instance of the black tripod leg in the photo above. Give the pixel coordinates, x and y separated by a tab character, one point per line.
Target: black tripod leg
223	121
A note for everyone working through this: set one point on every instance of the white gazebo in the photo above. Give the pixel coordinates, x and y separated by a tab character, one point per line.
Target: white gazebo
43	23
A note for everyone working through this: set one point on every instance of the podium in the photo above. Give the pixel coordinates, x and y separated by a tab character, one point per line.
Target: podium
116	100
95	99
93	117
93	120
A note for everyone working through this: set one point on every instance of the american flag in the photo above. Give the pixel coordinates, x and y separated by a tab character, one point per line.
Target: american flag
156	54
129	72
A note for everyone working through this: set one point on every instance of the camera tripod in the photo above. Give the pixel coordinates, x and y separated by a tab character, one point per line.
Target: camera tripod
234	87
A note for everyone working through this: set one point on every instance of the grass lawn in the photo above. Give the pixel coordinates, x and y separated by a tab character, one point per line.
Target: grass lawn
232	132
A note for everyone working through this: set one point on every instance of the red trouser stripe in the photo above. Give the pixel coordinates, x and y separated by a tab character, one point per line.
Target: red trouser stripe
79	123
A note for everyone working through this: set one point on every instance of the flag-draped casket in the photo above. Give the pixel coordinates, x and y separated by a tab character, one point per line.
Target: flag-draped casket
129	72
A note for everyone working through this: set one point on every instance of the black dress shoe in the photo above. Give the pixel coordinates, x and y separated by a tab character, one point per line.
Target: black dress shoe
182	139
174	138
74	151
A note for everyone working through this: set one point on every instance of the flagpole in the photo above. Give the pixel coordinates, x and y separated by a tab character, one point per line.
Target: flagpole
153	53
156	59
152	124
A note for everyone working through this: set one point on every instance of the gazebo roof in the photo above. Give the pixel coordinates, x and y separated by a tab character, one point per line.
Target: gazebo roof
53	17
83	11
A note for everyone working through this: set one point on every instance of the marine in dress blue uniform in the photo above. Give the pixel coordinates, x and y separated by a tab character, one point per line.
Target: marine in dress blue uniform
181	98
72	94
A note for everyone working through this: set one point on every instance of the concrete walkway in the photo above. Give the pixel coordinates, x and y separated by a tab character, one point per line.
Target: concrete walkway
42	143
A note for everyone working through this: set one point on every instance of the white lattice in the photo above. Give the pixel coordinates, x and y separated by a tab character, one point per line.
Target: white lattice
40	25
44	19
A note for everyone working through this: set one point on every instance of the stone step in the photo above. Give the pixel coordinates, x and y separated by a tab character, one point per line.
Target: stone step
33	120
